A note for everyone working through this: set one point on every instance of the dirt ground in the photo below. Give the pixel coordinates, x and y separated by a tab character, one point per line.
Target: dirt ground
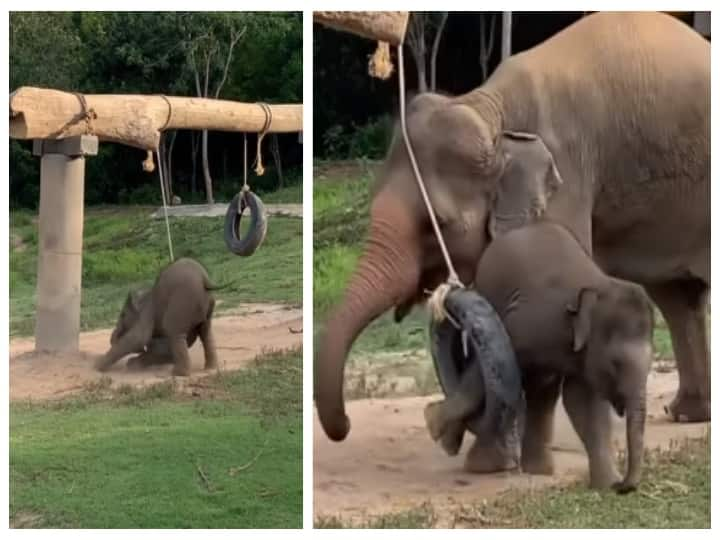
389	463
243	334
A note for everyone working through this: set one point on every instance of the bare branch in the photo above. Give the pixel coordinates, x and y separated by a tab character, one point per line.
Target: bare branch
434	53
234	38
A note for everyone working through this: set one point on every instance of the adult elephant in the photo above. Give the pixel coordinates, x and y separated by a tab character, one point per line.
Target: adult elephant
604	128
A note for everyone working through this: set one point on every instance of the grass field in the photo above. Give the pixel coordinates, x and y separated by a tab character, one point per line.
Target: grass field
229	456
680	500
157	458
124	248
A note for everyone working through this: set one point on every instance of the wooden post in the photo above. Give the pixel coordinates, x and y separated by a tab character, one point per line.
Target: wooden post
62	179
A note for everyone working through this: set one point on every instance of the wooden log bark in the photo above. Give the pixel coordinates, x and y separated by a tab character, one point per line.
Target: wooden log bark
136	120
386	26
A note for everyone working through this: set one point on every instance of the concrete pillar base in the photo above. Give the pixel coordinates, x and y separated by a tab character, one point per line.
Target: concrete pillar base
62	180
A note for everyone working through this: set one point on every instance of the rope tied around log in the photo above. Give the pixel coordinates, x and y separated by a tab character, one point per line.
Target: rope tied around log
380	65
169	114
87	115
259	169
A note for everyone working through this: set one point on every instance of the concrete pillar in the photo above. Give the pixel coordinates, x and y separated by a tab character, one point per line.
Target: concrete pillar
62	180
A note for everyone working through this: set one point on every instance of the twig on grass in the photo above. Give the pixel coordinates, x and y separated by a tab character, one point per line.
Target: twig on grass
234	470
204	478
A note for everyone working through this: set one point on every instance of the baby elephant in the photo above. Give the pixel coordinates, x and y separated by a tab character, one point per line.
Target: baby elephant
569	323
160	324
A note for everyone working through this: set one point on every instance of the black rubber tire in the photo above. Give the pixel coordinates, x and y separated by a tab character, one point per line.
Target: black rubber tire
478	318
247	245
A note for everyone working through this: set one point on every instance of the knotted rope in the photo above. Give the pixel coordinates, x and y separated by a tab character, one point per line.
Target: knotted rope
259	169
436	302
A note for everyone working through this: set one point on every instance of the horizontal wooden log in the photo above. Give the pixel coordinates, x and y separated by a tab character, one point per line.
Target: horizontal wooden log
137	120
386	26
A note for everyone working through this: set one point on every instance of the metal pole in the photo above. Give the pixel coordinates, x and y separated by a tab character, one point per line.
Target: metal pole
506	34
60	228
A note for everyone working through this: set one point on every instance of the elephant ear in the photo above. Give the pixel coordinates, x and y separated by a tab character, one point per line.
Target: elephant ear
581	315
132	302
529	179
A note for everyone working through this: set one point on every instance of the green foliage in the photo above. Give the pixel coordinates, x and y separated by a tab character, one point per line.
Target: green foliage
369	140
124	248
154	458
154	53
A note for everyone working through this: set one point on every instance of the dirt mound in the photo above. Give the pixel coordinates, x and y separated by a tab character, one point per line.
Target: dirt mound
389	463
247	332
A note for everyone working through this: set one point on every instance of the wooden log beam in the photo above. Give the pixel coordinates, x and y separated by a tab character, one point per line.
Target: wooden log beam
386	26
136	120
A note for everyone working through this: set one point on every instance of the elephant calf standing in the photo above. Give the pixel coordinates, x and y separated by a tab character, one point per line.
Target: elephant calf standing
569	323
167	318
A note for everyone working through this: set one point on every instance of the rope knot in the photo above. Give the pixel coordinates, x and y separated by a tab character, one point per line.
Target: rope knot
436	302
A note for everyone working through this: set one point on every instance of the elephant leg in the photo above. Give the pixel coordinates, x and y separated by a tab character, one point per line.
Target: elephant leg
208	341
684	306
452	439
590	415
181	355
541	395
464	401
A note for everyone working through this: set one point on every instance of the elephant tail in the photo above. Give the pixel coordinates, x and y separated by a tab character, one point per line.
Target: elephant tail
210	286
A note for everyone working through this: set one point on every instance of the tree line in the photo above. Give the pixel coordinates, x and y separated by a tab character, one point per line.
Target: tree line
241	56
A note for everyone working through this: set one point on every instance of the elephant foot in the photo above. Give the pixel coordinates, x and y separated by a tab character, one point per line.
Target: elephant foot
605	479
686	407
211	363
433	419
623	488
452	439
538	462
489	458
181	371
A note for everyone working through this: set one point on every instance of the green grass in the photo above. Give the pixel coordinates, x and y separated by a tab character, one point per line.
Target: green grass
675	493
157	458
287	195
124	248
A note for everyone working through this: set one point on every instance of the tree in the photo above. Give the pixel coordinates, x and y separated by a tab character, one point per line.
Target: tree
506	34
487	41
210	48
421	26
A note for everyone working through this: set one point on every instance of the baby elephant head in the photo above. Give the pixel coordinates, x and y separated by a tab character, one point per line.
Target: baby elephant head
129	315
612	327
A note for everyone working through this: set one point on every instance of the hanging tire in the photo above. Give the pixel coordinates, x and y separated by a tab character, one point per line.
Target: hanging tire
488	343
246	245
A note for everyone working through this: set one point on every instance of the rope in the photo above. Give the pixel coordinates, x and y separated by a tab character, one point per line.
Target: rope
453	279
170	112
87	114
259	169
164	201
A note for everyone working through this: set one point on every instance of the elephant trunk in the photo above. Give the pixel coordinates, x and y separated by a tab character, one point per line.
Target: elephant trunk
635	425
388	273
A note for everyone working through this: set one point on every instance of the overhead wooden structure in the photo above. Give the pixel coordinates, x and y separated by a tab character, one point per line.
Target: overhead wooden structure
136	120
388	26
